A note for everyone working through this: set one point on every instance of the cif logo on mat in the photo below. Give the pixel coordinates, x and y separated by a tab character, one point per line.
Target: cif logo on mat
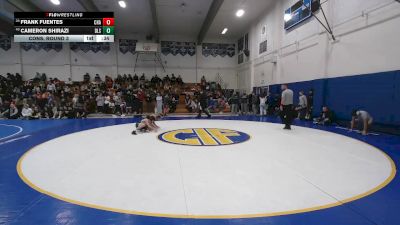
204	137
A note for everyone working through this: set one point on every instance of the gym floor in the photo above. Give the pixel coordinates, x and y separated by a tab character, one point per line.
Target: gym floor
226	170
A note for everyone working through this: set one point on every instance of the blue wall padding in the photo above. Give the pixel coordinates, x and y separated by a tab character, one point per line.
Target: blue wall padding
377	93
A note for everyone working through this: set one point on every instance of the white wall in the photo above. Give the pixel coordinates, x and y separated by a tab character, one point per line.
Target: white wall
69	64
10	60
368	41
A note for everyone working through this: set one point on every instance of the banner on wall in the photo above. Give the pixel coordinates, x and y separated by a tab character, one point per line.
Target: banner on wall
215	49
5	42
37	46
240	58
241	44
261	90
263	47
146	47
176	47
90	46
126	45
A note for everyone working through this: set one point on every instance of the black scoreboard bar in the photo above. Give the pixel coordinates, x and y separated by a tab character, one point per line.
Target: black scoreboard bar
59	30
63	26
88	15
27	22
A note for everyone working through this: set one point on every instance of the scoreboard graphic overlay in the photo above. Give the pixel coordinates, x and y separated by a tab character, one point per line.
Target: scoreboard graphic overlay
63	27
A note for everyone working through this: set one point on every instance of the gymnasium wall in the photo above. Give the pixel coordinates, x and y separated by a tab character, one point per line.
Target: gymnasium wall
69	64
358	70
378	93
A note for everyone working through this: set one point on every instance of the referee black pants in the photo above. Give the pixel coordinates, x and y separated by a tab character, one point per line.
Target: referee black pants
287	115
204	109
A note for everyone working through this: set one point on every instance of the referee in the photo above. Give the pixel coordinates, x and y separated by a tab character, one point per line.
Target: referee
203	106
286	106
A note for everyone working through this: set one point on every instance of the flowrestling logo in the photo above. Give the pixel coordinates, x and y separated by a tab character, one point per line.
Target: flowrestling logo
204	137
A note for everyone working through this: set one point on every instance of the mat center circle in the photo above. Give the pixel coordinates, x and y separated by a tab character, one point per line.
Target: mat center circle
275	172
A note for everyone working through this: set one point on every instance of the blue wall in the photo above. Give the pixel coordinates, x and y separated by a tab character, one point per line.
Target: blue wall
377	93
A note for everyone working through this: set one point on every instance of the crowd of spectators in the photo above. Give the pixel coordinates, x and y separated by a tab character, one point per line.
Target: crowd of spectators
43	97
51	98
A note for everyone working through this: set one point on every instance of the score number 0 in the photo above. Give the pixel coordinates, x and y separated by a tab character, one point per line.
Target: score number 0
106	22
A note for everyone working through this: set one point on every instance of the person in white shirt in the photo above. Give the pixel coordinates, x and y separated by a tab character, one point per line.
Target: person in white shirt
117	103
302	107
286	106
75	100
107	103
362	117
51	87
263	105
26	112
100	103
194	106
67	89
69	82
159	106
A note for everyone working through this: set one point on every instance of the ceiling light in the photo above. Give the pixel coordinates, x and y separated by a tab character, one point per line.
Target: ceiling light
55	2
240	13
287	17
122	4
224	30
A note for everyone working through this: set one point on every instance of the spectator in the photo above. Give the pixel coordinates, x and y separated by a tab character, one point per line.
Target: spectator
326	117
263	105
51	87
159	102
166	79
173	79
234	102
203	82
117	104
302	107
255	103
141	97
188	103
100	103
36	113
179	80
13	113
26	112
310	104
166	104
97	78
86	78
244	104
250	103
212	104
4	111
150	97
195	105
129	100
143	77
